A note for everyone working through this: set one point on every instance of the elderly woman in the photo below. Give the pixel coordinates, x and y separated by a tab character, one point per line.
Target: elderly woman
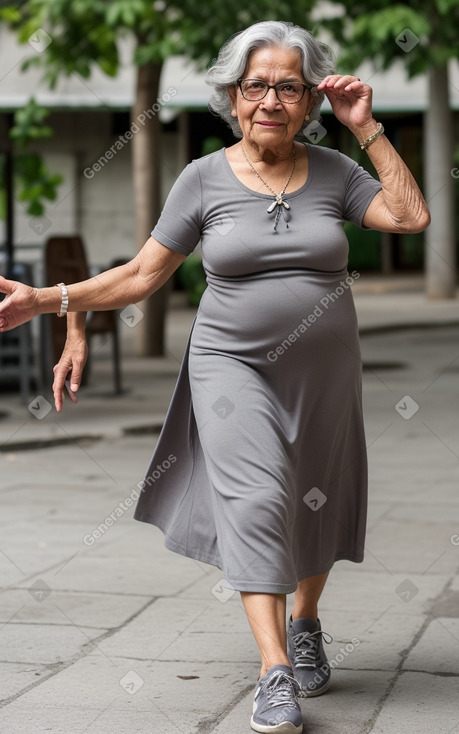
269	478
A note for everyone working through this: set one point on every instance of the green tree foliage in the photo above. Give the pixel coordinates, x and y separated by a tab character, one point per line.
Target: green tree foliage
35	182
421	33
81	34
86	32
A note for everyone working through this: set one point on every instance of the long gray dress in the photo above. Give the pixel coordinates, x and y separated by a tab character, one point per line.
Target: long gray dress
260	468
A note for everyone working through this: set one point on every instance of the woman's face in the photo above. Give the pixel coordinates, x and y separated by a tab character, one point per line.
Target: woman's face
269	123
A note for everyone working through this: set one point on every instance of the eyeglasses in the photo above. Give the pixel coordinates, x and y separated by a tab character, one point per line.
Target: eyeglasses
288	92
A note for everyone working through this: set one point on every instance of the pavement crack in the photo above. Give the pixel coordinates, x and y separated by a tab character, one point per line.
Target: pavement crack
26	623
86	648
209	724
400	669
436	673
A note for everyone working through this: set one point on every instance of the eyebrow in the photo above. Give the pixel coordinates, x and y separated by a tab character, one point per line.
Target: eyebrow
282	81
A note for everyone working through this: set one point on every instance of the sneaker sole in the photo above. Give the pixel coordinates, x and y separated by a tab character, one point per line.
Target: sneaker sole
311	694
287	727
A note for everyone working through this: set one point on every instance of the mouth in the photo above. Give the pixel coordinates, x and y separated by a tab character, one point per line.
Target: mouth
269	123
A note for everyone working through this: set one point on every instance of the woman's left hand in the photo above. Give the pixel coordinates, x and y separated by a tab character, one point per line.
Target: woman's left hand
350	100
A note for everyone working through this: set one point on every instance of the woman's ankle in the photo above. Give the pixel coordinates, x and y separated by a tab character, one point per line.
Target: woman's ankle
304	613
268	665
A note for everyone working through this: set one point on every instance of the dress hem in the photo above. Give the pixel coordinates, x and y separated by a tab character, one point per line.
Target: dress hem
265	587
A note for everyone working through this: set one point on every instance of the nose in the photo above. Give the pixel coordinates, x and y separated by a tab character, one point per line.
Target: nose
270	102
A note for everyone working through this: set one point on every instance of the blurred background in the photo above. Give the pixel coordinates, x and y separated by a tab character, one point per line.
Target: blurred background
102	104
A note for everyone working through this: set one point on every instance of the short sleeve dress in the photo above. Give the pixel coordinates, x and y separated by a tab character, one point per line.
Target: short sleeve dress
261	468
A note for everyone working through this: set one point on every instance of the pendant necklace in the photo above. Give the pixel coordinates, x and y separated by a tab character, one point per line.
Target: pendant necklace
279	204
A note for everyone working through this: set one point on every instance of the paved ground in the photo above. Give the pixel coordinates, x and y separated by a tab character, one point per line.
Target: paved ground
116	635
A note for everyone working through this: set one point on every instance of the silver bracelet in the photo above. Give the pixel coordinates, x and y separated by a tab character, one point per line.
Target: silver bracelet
371	139
65	299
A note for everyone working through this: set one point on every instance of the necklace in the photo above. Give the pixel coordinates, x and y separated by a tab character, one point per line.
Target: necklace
279	204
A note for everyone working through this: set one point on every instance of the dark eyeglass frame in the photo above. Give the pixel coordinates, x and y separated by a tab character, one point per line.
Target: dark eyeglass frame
273	86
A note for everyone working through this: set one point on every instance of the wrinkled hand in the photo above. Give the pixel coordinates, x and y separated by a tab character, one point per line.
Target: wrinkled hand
20	305
351	99
73	359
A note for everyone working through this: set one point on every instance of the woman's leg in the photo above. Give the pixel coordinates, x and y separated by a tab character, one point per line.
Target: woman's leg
307	597
305	638
275	704
266	615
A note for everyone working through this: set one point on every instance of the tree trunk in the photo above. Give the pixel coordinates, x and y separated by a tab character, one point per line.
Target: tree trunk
440	261
147	204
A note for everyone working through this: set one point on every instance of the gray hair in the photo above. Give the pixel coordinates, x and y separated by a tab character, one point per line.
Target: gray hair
233	58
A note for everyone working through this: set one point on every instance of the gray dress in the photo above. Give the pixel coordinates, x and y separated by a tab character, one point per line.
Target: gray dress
260	468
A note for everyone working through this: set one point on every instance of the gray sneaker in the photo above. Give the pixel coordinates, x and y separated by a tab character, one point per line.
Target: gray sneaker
275	705
306	654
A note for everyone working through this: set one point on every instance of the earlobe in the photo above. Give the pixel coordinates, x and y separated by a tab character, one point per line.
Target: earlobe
232	93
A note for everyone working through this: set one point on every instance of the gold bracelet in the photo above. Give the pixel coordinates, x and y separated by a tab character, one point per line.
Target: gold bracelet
371	139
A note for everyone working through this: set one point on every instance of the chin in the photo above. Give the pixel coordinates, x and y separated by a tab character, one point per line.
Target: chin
271	133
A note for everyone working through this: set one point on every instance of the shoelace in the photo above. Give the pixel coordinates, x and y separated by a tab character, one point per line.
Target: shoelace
306	646
279	689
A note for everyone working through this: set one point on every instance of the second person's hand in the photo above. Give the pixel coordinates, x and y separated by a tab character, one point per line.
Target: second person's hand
20	305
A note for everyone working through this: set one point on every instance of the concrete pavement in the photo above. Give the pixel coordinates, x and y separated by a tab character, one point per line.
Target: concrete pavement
107	632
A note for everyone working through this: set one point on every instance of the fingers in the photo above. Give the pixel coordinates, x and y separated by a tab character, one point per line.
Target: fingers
70	392
6	286
65	383
61	371
341	82
76	377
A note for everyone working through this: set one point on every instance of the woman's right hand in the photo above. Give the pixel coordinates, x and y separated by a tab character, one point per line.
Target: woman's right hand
73	360
20	305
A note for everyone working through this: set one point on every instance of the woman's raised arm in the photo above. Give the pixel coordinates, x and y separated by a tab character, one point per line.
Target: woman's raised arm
114	288
400	206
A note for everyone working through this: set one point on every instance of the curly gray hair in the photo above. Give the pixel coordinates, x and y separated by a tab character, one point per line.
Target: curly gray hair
232	61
